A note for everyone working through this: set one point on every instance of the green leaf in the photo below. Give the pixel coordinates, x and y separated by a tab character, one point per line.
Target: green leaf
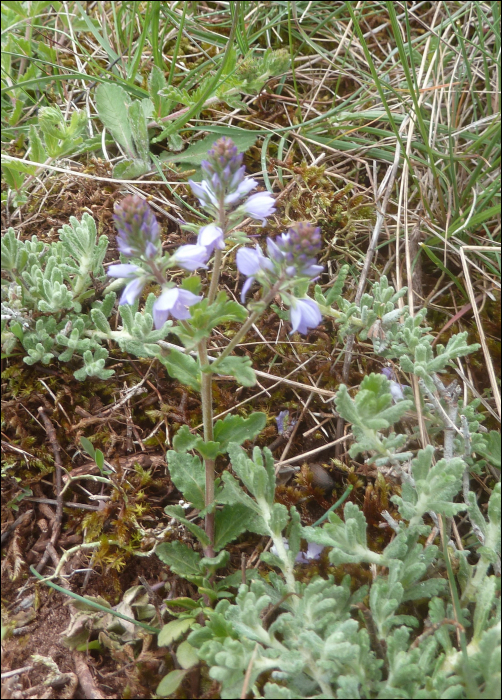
112	102
230	522
236	429
130	169
239	367
208	450
189	477
178	513
182	560
183	368
183	602
170	683
192	284
197	152
186	655
99	458
88	447
139	131
156	83
173	631
184	440
492	450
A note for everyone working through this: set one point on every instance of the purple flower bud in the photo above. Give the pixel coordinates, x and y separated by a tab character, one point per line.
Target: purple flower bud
259	206
190	257
173	302
134	288
304	314
298	248
211	237
138	229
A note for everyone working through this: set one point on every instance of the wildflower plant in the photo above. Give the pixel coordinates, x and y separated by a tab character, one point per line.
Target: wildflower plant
325	639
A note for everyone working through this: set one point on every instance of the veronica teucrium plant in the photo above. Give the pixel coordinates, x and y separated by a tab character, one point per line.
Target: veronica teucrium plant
313	639
290	263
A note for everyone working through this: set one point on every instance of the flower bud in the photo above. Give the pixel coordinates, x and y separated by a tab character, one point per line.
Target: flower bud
138	229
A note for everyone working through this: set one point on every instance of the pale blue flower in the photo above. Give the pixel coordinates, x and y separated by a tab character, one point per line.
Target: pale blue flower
304	314
133	289
396	389
242	190
313	552
211	237
249	263
204	193
173	302
259	206
191	257
122	270
282	421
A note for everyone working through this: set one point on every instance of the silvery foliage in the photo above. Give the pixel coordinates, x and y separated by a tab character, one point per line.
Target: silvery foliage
306	637
49	305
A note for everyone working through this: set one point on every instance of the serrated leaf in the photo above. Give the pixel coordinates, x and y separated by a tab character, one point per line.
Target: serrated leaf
239	367
112	102
184	440
180	558
183	368
130	169
236	429
230	522
208	450
173	631
188	475
492	450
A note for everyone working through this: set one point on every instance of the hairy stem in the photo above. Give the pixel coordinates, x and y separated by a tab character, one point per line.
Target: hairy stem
249	323
207	418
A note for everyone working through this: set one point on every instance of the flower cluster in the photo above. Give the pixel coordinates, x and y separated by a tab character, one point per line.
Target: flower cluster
222	190
224	186
138	237
291	257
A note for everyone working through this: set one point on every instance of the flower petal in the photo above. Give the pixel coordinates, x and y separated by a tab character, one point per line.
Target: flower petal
244	187
245	288
132	291
122	270
190	257
211	237
248	261
259	206
304	314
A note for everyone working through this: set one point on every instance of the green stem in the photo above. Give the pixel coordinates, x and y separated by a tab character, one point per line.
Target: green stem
248	324
215	277
207	419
